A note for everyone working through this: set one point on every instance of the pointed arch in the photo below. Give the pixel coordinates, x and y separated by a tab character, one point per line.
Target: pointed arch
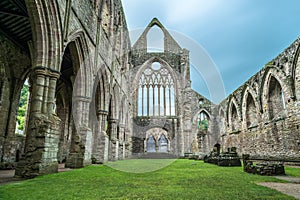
203	121
170	45
155	39
114	103
275	98
46	32
159	137
276	92
156	89
250	107
296	74
102	89
234	115
281	78
83	62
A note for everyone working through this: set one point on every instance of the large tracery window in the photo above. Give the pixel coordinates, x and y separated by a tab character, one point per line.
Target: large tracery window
156	93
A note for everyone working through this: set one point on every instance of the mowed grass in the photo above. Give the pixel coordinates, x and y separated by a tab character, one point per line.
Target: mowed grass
182	179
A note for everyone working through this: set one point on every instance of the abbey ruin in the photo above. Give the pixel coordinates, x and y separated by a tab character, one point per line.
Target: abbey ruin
95	97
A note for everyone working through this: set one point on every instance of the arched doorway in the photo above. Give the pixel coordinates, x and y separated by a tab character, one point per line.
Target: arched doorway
157	140
163	144
151	144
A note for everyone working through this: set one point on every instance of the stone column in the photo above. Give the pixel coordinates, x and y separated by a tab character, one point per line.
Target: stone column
81	146
121	141
42	133
100	138
114	143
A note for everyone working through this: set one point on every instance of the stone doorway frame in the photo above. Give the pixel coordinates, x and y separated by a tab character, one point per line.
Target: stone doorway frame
157	133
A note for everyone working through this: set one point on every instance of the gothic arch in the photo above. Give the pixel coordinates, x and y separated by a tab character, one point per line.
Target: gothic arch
250	108
234	116
170	45
83	63
155	39
157	134
163	78
194	119
148	64
274	98
274	76
46	32
114	103
296	74
281	78
203	120
102	89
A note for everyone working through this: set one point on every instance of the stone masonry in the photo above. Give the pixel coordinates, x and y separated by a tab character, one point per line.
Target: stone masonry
95	97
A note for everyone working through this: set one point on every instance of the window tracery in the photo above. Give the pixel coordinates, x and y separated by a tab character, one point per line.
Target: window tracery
156	92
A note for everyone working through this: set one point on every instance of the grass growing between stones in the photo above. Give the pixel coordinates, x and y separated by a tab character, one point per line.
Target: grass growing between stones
183	179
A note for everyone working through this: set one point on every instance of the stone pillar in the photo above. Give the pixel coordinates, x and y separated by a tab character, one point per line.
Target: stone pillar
127	144
101	138
42	133
122	141
114	143
81	146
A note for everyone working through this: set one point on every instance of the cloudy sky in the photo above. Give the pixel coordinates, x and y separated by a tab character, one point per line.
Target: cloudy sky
239	36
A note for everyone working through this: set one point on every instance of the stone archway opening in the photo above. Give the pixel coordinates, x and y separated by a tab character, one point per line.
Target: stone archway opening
151	144
163	144
157	141
63	101
217	148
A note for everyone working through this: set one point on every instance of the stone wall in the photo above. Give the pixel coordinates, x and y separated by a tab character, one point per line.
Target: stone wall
14	68
267	121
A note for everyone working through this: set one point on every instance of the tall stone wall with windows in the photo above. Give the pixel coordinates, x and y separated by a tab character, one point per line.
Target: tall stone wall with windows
181	124
262	115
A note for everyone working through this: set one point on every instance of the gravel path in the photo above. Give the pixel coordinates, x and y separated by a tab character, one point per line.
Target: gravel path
292	188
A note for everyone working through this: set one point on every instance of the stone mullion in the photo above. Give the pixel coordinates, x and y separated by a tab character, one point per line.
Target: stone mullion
148	100
164	87
158	86
153	101
142	100
170	101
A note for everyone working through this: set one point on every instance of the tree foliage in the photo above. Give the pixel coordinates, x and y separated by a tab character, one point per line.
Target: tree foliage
22	107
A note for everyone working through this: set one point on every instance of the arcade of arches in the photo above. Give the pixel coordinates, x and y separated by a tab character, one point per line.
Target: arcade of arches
94	97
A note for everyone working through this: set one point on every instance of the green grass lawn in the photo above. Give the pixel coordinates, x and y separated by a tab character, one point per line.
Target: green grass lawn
183	179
